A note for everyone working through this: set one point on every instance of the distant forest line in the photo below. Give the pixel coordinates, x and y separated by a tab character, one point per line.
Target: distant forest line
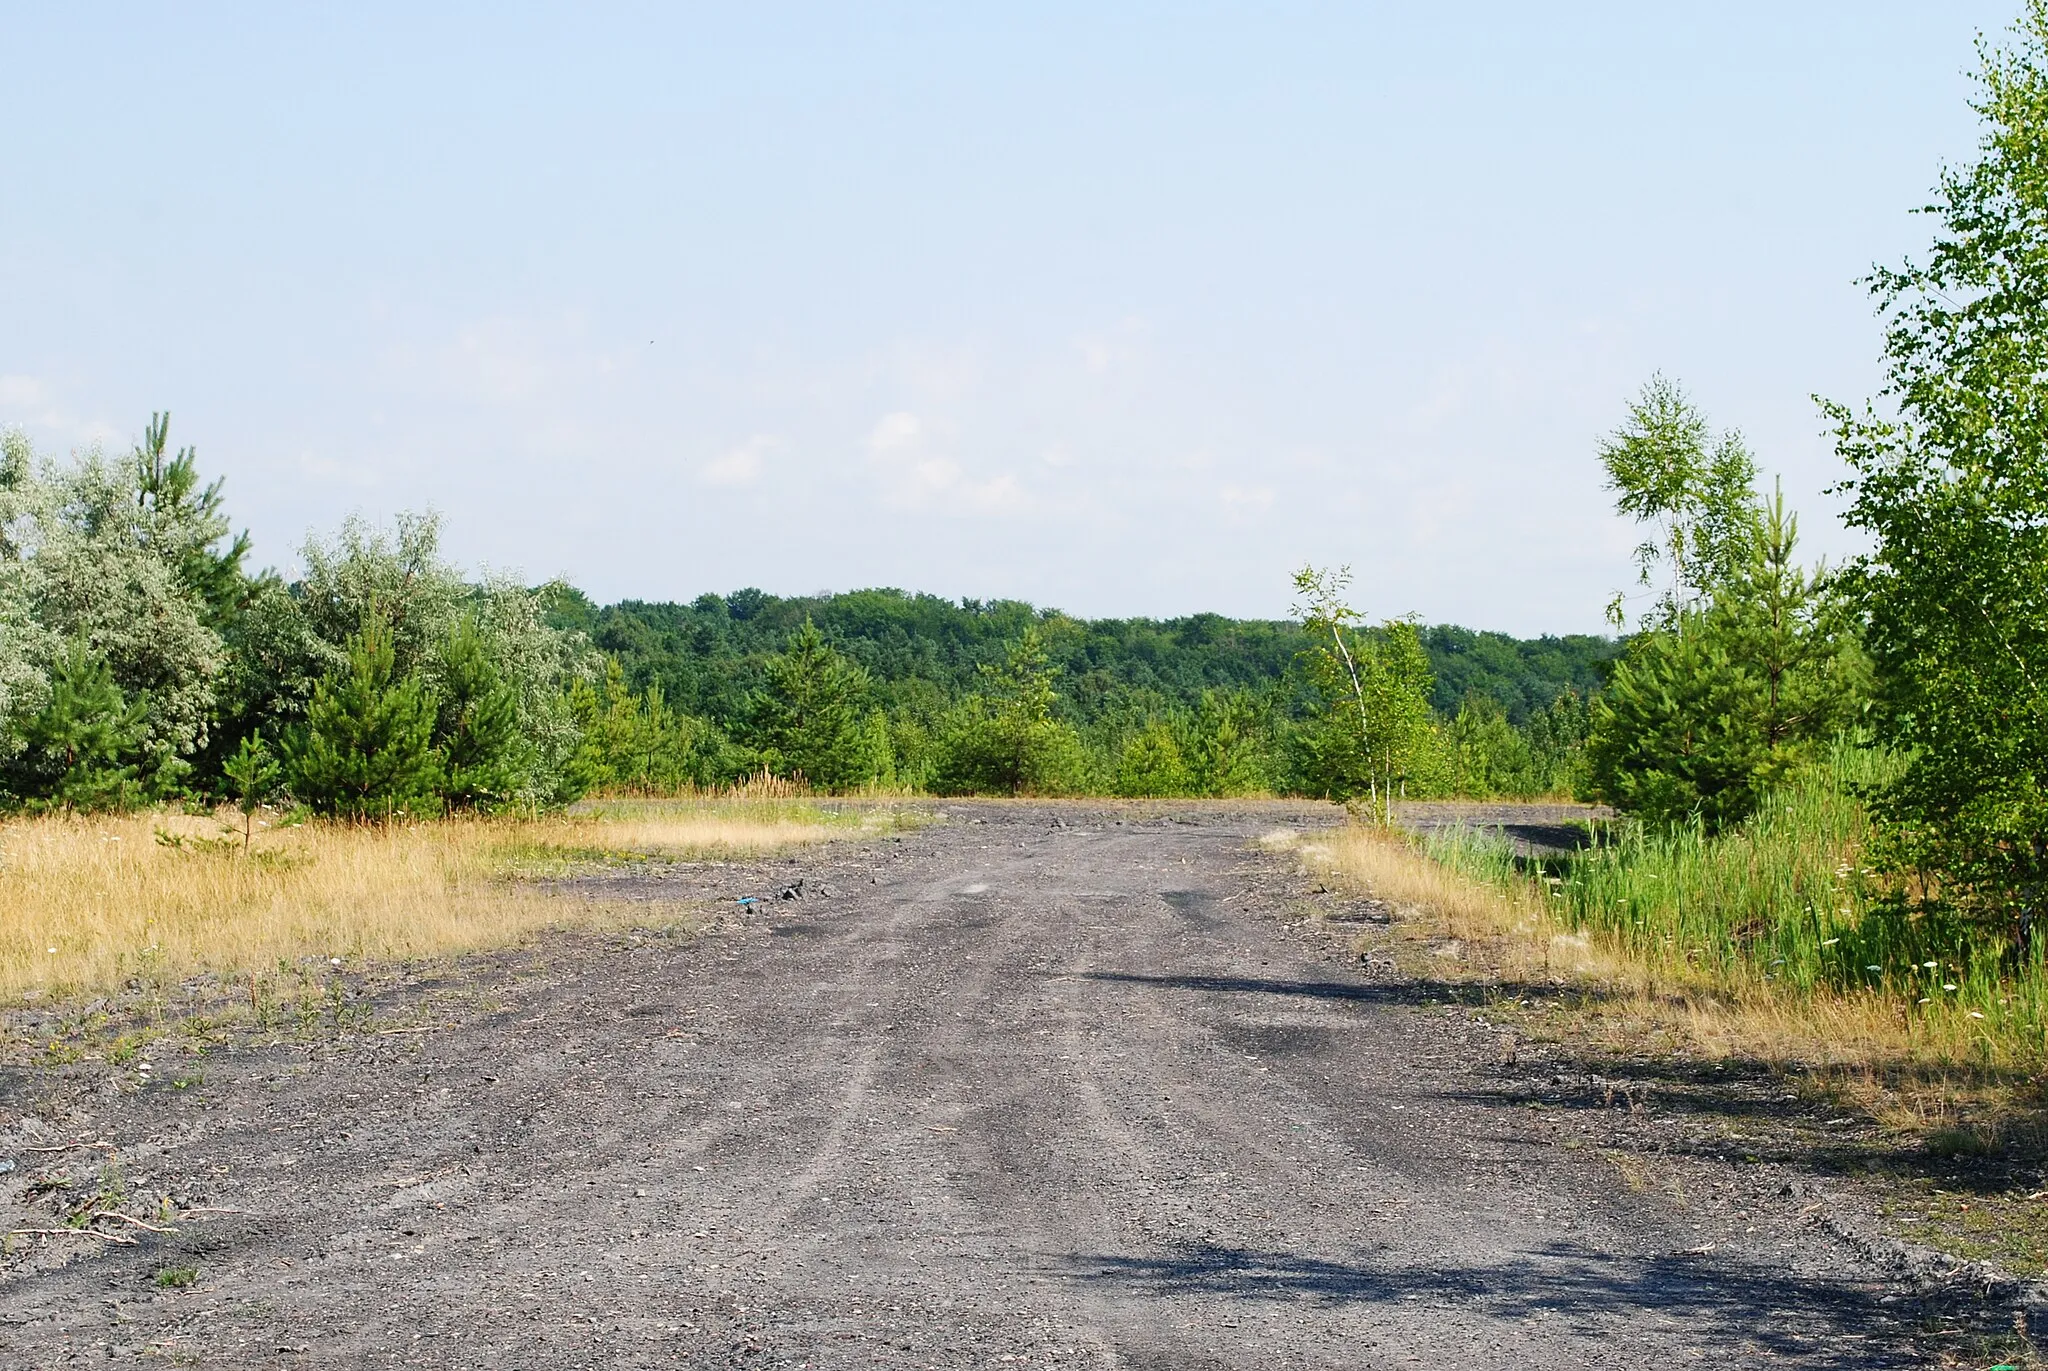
708	657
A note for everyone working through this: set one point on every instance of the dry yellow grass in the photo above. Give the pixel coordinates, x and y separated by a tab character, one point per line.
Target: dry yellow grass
1496	932
88	903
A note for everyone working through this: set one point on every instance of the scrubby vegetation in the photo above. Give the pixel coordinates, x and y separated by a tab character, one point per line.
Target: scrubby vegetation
1196	706
141	661
1827	782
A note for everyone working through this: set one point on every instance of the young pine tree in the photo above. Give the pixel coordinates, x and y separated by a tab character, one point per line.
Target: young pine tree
252	773
1151	763
636	742
487	759
810	719
1703	715
1005	739
1223	747
183	523
366	749
82	746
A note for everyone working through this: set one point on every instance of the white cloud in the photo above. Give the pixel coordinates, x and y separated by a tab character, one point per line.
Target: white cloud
22	392
1245	501
531	364
937	473
915	471
1112	350
1000	494
33	404
895	432
740	466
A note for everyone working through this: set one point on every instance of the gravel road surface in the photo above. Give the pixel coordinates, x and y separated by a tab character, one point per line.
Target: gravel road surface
1035	1087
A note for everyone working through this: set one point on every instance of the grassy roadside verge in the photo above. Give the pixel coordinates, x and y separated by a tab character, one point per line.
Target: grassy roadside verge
1911	1096
97	905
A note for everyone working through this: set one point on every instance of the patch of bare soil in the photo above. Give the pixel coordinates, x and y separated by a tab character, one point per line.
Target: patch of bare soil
1044	1085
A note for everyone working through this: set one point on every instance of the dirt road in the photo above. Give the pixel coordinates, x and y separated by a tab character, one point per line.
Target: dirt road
1034	1087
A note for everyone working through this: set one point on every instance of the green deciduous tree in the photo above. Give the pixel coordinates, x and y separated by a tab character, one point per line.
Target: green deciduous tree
399	574
1400	739
1696	490
1950	479
396	575
112	561
26	644
1376	734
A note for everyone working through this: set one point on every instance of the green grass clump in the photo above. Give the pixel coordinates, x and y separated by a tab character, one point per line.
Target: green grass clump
1784	902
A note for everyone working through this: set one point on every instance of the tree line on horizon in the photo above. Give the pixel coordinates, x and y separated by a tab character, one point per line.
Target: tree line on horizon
142	660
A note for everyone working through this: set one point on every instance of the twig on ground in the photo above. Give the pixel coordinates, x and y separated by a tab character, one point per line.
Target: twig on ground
70	1233
422	1180
128	1218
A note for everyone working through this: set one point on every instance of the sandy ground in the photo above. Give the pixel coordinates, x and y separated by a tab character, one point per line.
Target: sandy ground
1038	1086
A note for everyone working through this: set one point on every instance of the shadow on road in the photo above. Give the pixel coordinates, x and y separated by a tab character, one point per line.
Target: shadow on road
1410	992
1752	1112
1726	1305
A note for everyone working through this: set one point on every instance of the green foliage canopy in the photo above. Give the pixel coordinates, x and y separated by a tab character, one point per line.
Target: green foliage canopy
1950	479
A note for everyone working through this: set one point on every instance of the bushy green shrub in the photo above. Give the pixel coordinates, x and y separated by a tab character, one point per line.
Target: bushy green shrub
1151	764
1005	739
811	717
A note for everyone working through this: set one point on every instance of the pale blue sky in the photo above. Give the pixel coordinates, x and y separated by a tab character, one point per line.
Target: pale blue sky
1125	309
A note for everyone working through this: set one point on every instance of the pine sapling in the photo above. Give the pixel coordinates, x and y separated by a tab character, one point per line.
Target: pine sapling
253	772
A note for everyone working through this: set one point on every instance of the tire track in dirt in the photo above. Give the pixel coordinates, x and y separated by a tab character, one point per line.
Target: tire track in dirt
1043	1086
